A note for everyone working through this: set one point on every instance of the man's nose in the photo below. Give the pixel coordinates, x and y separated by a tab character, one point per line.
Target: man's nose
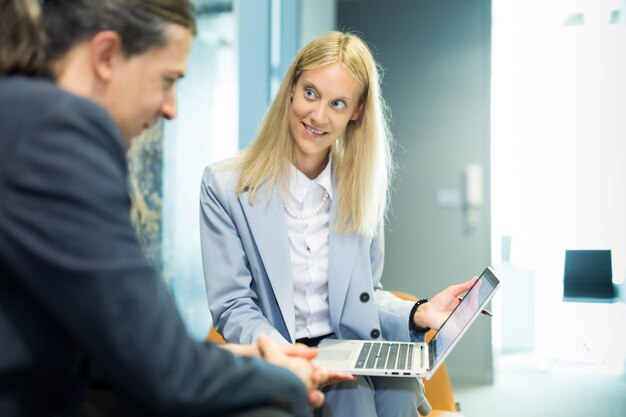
169	106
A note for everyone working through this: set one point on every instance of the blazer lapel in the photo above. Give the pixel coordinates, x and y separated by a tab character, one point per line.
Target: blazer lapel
342	249
269	229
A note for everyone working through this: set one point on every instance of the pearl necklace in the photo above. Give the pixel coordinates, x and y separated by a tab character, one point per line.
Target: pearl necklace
304	216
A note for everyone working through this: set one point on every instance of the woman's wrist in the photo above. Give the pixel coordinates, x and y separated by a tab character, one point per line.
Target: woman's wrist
415	317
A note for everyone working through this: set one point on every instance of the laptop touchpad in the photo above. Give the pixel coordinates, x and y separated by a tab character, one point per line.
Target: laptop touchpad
333	355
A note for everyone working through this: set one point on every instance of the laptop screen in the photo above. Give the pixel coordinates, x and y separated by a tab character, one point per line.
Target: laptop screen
455	325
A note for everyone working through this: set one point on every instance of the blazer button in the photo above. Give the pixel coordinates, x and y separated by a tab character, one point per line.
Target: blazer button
375	334
364	297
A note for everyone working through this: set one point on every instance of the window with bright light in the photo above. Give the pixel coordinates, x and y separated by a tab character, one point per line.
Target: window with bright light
204	131
559	159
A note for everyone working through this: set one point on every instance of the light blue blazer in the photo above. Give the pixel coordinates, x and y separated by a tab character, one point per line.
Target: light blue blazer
245	255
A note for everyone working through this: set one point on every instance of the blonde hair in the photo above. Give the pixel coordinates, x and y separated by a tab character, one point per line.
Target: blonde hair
361	158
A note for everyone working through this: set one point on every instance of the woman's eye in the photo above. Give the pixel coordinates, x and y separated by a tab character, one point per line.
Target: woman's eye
308	93
338	104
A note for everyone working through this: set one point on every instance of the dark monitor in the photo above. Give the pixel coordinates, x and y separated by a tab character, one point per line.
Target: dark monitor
588	274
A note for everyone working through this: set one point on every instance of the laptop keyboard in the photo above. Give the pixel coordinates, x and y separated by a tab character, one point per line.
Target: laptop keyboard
396	356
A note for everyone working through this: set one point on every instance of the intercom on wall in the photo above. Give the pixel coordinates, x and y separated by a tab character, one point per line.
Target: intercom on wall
472	194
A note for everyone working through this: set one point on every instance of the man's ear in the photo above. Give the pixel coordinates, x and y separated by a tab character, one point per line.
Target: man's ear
358	111
105	52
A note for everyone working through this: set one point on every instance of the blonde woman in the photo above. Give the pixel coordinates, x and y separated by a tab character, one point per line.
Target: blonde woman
292	227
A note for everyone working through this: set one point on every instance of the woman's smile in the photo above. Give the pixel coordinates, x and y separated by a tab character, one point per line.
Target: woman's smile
312	132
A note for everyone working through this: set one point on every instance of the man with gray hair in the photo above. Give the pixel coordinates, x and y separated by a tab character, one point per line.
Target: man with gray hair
76	291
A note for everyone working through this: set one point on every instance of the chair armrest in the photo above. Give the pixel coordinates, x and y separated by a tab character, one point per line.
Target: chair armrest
215	337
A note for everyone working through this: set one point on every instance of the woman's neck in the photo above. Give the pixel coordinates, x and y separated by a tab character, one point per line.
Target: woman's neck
311	165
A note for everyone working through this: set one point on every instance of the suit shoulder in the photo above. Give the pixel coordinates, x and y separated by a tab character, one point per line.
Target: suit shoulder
15	87
38	118
39	95
222	174
29	103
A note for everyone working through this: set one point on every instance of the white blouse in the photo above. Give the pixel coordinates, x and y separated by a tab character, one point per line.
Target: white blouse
307	210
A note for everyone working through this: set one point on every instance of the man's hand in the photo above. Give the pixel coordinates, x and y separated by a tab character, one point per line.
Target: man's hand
241	350
297	358
433	313
312	376
305	352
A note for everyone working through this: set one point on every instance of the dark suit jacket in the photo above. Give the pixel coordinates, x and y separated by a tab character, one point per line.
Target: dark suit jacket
75	288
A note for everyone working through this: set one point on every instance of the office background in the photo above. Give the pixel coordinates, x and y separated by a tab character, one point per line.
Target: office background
510	133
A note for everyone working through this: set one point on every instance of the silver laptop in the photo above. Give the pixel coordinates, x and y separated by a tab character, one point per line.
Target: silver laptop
402	359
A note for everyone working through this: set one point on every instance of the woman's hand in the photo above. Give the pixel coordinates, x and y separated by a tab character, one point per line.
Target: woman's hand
433	313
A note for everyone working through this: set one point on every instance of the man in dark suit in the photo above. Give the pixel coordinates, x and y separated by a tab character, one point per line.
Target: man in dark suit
75	288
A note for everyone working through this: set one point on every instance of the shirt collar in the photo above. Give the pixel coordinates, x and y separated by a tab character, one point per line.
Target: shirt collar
300	184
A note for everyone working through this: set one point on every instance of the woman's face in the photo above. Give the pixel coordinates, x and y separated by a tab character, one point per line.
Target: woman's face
325	100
